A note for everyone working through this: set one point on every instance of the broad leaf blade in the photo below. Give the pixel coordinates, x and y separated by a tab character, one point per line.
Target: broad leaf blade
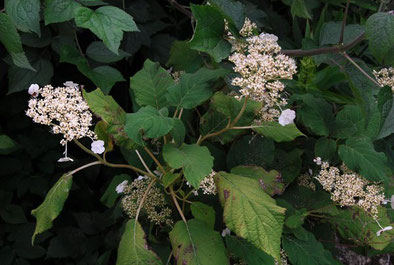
278	132
196	161
57	11
150	85
133	249
52	205
107	22
196	244
360	155
250	212
12	42
25	14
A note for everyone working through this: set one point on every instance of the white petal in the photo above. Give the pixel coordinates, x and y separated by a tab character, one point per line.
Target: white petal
65	159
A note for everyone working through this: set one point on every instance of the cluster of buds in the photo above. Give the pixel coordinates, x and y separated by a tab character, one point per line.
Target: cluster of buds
154	204
305	180
348	188
385	77
261	66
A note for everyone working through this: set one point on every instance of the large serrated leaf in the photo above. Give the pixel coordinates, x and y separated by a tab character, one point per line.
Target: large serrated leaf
107	22
25	14
196	161
57	11
278	132
111	113
195	243
193	89
52	205
148	122
150	85
208	36
250	212
379	31
308	251
359	155
133	248
12	42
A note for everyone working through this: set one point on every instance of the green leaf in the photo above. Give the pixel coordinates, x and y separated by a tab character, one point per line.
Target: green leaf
326	149
195	243
359	155
178	131
316	113
278	132
20	79
52	205
386	108
307	251
169	178
98	52
107	22
231	107
57	11
182	58
250	212
111	113
148	122
208	35
204	213
359	226
288	163
12	42
110	195
298	8
193	89
271	182
7	145
133	248
296	219
379	30
331	31
248	252
150	85
103	77
251	150
25	14
195	160
349	122
233	11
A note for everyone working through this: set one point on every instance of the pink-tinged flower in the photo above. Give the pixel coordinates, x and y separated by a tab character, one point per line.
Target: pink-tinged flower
287	117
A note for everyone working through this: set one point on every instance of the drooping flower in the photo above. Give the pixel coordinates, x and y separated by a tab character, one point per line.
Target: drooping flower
33	90
287	117
387	228
120	188
98	147
225	232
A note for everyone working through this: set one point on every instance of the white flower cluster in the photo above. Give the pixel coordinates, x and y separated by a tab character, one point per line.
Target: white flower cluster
261	67
62	108
350	189
385	77
207	185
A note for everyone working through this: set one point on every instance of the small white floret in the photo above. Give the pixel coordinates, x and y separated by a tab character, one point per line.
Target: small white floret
120	188
387	228
98	147
287	117
225	232
33	90
65	159
71	84
317	160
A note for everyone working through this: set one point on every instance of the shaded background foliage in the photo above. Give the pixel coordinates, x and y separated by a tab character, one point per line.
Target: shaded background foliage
88	232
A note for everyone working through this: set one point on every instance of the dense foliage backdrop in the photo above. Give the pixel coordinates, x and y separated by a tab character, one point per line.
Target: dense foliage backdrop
128	49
